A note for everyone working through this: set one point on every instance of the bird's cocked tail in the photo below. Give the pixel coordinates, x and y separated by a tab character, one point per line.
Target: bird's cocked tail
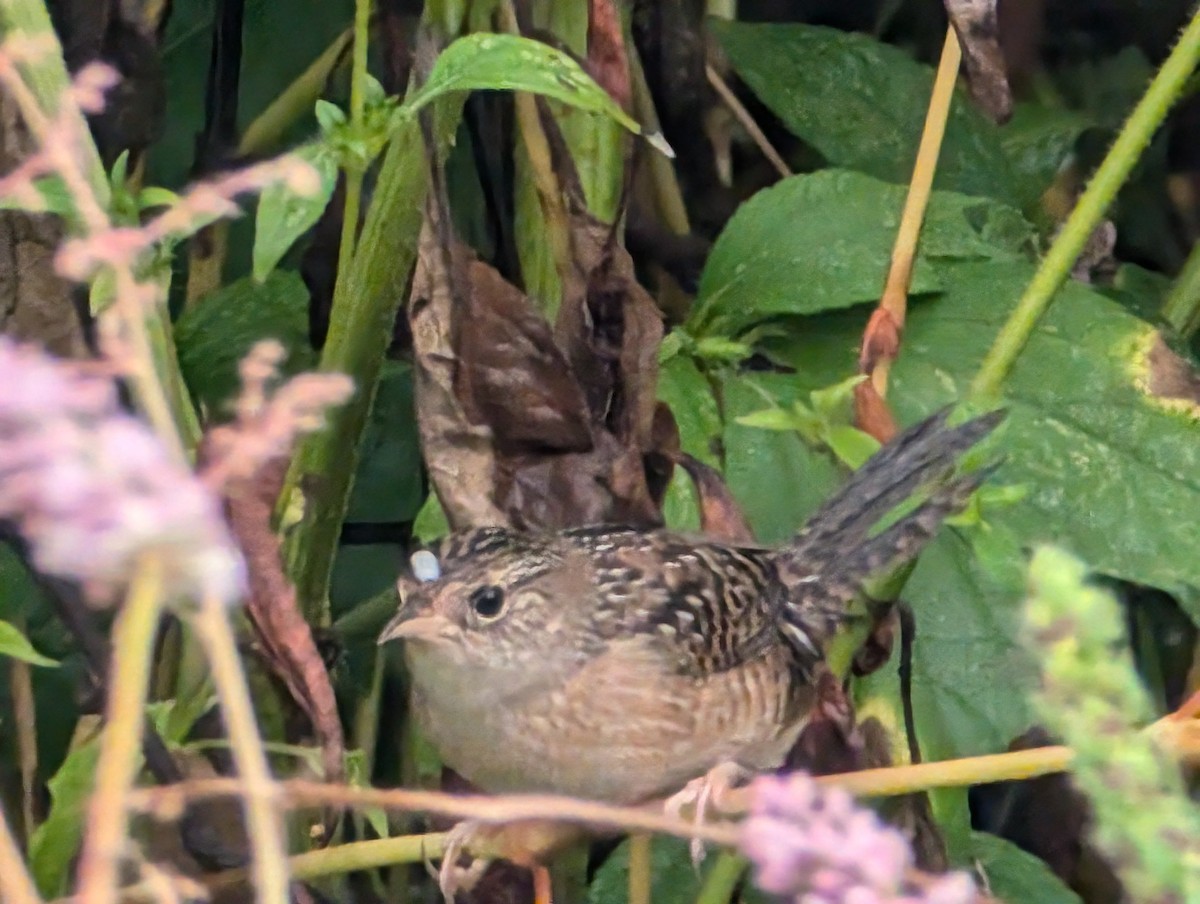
826	565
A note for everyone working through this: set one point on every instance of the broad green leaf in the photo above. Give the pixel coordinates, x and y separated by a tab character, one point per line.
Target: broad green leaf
862	104
822	241
215	335
16	645
53	845
1105	463
283	216
1016	875
777	477
1038	141
500	62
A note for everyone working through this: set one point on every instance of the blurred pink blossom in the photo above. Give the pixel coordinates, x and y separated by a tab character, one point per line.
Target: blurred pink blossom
91	488
269	420
814	845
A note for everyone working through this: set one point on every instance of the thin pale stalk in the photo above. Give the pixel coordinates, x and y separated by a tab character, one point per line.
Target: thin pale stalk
1166	87
16	886
640	867
742	115
258	789
894	302
120	758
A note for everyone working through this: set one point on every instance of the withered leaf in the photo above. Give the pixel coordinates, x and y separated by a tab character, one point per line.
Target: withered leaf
976	24
284	635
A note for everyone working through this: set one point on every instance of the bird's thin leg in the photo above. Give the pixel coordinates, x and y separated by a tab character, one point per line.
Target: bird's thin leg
451	876
700	792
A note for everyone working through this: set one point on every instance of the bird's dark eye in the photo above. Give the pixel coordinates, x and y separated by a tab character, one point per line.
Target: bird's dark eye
487	601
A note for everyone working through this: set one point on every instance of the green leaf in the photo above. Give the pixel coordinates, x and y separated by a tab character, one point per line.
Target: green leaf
1038	141
823	241
329	116
431	522
673	878
285	38
153	196
388	486
851	446
690	397
53	845
283	216
777	477
14	644
769	419
213	336
1080	429
1016	875
501	62
862	104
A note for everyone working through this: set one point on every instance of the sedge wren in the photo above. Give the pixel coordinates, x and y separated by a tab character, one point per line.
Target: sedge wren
620	664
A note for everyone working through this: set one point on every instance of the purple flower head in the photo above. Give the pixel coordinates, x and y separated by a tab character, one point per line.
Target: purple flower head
815	846
91	488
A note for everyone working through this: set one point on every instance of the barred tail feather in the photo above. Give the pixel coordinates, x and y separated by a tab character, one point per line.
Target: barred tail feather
833	556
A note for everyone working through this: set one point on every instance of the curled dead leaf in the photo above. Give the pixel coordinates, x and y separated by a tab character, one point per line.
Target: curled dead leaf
976	25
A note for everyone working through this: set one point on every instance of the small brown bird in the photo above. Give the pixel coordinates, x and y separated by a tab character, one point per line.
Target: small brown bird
620	665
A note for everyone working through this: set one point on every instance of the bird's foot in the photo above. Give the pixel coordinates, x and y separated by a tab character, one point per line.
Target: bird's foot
451	876
703	792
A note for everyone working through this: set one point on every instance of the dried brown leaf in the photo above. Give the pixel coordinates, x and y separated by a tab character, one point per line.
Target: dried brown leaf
526	426
607	62
976	24
720	514
459	453
284	635
872	414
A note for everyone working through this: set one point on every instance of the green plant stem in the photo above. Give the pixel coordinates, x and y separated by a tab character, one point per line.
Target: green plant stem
359	332
120	757
1182	307
16	886
722	879
1145	119
367	294
260	793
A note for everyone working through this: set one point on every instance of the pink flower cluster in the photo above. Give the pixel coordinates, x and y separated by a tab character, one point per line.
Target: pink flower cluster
91	488
814	845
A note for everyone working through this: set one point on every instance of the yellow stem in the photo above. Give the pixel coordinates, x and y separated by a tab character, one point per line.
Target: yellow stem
640	867
120	757
904	252
257	787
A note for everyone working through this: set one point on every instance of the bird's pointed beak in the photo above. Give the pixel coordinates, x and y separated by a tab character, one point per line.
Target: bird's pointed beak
423	625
